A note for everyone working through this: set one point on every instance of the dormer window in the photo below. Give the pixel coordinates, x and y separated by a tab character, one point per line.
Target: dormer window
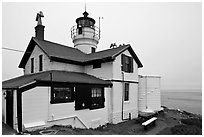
32	65
41	63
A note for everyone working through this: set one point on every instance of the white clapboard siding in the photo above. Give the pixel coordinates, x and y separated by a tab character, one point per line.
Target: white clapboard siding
149	93
35	105
37	109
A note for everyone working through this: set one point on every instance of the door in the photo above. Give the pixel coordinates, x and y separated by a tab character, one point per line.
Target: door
9	108
82	97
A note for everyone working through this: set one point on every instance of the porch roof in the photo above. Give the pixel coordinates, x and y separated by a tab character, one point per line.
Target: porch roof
54	76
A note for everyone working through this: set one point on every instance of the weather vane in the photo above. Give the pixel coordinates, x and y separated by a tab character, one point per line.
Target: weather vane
38	18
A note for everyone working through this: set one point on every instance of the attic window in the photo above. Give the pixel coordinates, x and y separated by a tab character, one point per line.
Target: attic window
62	94
127	63
32	65
40	62
96	65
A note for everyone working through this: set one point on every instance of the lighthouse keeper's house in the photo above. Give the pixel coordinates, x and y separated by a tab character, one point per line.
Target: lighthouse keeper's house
76	86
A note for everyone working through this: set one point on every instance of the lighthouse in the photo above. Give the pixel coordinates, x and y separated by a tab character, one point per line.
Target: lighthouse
85	34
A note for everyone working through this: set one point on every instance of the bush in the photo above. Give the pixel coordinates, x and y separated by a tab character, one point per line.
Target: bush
186	130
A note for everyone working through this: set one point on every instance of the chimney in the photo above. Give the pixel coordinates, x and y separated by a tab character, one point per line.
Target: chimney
39	29
39	32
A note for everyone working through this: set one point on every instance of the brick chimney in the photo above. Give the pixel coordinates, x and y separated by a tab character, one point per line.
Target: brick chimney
39	32
39	29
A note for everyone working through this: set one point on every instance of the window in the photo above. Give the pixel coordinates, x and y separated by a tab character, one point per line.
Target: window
80	30
97	98
40	62
96	65
62	94
127	63
32	65
126	98
96	92
93	50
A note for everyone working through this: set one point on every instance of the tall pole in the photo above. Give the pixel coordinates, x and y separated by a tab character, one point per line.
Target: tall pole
100	26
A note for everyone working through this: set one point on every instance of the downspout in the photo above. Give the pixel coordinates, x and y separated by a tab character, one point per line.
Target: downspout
123	92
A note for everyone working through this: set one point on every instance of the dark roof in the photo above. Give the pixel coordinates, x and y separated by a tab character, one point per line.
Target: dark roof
61	53
57	76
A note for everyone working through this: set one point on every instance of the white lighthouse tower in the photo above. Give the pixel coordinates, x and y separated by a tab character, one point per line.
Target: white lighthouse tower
85	35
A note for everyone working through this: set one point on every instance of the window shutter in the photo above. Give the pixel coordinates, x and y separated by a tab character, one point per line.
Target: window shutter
131	65
123	62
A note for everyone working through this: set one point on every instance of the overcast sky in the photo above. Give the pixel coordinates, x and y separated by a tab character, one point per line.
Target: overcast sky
167	37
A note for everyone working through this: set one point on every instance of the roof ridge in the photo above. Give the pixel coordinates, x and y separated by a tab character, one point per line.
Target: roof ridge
58	44
108	49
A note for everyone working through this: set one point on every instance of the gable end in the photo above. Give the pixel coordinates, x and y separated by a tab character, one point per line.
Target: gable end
28	53
129	48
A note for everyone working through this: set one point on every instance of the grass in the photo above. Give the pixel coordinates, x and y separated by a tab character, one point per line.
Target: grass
193	121
186	130
189	126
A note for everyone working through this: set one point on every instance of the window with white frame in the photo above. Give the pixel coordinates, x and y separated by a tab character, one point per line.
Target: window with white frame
62	94
97	98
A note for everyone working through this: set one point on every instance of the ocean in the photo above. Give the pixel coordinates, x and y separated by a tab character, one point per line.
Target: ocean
188	100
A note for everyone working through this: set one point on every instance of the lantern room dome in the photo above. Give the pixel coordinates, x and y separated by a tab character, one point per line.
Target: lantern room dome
85	21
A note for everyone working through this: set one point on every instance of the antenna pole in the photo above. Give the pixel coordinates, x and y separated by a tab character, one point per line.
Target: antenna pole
100	26
85	6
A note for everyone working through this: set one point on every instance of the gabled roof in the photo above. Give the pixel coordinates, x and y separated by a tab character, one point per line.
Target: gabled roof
54	76
61	53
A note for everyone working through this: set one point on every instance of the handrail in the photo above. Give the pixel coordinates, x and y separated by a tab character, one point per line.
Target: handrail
81	122
69	118
74	31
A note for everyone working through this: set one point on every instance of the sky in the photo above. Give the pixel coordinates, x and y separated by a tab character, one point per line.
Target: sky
166	37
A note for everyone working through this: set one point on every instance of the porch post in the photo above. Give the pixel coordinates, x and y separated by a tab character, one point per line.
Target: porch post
19	110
